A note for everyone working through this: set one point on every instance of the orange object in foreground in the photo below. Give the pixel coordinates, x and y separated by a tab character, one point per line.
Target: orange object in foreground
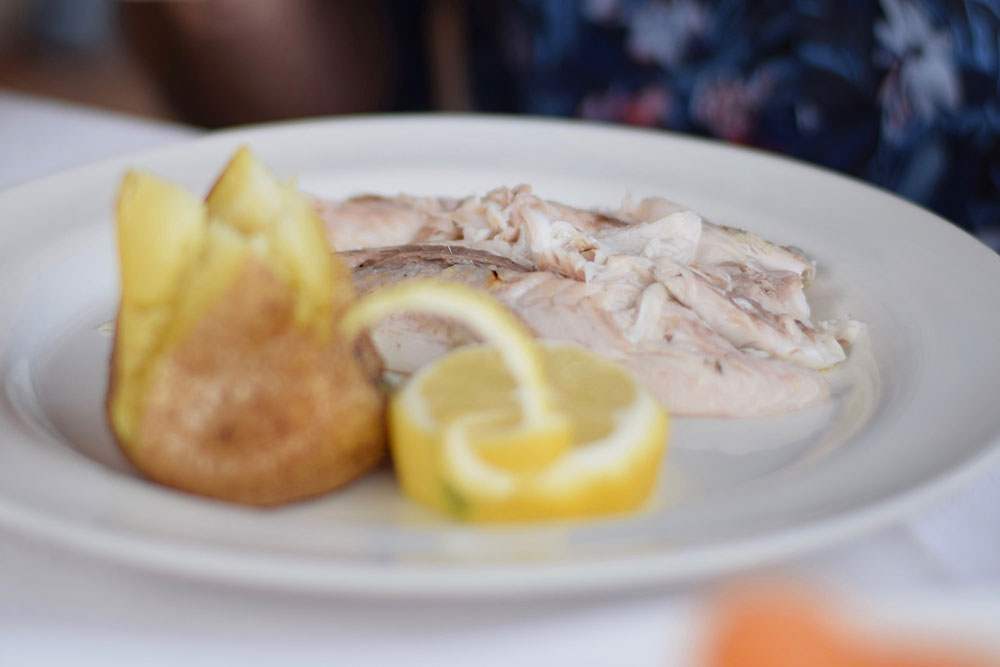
781	629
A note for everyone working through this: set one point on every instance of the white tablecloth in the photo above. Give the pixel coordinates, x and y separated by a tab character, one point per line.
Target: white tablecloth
58	607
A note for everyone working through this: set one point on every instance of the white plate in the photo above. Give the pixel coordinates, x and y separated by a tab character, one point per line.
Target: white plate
922	420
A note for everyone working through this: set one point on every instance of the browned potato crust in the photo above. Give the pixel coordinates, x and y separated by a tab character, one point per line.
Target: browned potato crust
251	409
228	376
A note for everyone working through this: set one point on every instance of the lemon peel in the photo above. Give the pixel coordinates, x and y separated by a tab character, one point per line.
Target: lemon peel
514	429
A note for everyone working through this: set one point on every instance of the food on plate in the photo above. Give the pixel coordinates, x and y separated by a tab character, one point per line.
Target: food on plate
514	429
712	319
229	376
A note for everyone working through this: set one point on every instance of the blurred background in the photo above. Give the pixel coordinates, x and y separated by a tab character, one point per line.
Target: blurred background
902	93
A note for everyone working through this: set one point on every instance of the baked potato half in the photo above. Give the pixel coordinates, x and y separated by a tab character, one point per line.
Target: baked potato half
228	376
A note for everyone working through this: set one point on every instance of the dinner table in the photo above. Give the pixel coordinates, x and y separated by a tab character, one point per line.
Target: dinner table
60	606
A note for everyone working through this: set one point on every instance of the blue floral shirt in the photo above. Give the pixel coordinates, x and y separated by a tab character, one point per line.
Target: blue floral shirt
902	93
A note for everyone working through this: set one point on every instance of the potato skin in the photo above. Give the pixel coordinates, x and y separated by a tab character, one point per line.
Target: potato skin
252	409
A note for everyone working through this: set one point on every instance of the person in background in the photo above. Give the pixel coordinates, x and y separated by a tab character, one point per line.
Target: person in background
230	62
902	93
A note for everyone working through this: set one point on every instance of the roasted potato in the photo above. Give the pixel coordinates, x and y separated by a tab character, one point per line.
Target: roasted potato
228	375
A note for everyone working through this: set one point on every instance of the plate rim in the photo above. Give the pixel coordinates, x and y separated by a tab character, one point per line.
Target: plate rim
301	574
146	551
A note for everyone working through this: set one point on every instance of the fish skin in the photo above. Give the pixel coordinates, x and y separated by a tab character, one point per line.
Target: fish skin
409	341
441	254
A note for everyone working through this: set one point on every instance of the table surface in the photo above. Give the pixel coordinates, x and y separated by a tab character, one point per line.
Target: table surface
57	605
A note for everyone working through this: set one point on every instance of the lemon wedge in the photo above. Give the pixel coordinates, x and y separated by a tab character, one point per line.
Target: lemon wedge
515	429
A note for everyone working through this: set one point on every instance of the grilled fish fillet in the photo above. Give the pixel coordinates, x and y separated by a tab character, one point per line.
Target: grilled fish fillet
714	320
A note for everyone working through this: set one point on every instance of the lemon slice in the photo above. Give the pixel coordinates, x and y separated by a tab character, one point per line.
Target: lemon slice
515	429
